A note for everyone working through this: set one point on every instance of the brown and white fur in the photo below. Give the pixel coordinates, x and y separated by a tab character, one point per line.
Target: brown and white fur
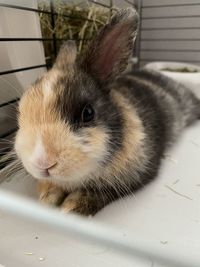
84	156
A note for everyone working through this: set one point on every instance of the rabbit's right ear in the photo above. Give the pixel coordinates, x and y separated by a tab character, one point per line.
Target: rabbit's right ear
108	54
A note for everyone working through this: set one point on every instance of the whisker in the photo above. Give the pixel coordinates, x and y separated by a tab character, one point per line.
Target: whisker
17	90
6	140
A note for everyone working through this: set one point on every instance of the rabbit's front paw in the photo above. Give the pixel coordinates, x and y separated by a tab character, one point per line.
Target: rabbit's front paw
50	194
81	202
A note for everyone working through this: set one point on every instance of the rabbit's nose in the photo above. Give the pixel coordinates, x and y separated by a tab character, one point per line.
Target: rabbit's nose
41	160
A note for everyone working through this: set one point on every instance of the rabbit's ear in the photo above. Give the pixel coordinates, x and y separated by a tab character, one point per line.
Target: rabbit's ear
108	54
66	55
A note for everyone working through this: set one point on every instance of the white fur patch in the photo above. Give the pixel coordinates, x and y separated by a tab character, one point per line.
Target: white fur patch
38	152
47	88
49	83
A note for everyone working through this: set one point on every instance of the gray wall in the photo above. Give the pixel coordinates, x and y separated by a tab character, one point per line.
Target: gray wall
170	30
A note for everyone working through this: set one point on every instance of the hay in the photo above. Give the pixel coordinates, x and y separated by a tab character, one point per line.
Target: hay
82	22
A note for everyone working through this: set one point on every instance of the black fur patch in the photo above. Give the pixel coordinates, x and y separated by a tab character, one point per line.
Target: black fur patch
150	111
82	90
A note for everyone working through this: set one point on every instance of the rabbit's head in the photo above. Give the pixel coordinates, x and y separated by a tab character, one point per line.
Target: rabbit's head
70	126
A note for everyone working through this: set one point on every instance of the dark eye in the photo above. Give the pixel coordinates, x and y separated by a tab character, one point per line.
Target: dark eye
87	113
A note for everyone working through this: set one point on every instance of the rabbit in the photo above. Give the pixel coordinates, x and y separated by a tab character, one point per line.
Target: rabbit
92	133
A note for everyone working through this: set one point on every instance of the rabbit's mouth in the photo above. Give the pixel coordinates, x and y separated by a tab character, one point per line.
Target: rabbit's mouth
67	178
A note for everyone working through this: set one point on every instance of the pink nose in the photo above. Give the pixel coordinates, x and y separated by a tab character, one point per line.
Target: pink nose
44	164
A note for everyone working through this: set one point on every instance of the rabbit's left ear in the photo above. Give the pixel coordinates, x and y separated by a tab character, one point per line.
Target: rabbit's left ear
108	54
66	55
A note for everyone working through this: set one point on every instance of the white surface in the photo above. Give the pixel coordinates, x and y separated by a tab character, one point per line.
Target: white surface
155	212
97	232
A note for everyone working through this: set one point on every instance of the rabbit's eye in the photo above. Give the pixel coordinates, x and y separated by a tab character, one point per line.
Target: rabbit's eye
87	113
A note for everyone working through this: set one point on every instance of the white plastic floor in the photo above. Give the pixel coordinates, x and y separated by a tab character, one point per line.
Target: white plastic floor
167	210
